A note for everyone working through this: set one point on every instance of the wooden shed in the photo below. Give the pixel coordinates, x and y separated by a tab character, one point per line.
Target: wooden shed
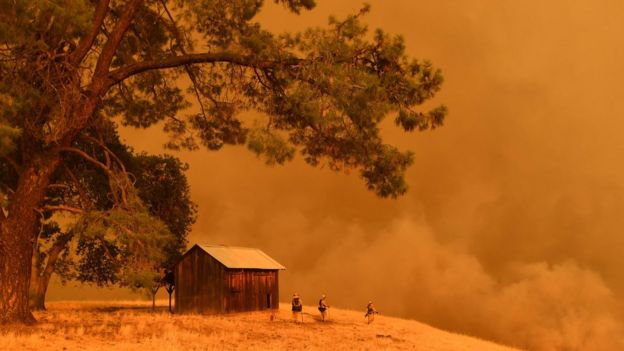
224	279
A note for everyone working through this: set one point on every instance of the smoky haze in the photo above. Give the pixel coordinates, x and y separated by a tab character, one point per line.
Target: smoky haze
513	226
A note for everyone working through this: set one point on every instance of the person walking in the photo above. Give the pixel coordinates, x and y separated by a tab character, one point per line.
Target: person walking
370	312
323	307
297	308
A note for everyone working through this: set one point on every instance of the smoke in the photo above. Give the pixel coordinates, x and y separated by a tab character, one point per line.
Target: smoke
408	273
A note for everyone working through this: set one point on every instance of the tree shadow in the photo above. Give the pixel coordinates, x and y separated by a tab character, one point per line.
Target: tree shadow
112	309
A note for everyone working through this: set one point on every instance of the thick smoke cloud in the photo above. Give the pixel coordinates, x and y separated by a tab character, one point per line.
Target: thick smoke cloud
512	229
409	273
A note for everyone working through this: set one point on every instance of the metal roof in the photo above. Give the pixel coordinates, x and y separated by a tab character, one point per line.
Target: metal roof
241	257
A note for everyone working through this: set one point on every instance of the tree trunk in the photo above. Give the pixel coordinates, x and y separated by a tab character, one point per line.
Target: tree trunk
170	291
41	280
38	288
169	302
35	277
17	239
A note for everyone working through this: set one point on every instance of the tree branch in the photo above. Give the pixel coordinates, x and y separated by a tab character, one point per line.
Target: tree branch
110	48
173	27
58	186
87	41
108	171
88	158
123	73
81	190
14	164
54	253
99	82
106	150
63	208
180	46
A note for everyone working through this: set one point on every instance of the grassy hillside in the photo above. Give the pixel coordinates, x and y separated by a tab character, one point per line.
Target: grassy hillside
133	326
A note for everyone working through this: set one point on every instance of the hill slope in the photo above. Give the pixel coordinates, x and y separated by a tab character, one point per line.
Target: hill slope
133	326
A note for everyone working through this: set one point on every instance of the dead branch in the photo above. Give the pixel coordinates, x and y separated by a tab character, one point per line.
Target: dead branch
82	193
106	150
88	158
63	208
112	176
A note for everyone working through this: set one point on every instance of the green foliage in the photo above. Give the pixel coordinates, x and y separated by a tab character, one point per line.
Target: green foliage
99	262
323	91
297	5
121	245
25	21
384	173
274	148
150	99
8	132
96	250
8	136
331	107
164	189
328	106
410	120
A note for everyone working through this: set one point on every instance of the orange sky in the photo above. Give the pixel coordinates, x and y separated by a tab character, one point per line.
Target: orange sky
512	228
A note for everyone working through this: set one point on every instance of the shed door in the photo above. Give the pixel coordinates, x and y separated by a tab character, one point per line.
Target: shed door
266	290
270	286
235	296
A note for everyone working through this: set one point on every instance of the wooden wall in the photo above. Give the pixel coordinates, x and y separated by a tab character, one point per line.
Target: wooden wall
200	283
204	285
252	290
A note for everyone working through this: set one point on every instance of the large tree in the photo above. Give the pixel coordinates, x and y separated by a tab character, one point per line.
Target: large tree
161	185
70	66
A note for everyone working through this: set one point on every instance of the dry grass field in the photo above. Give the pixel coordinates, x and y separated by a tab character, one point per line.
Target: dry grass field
131	325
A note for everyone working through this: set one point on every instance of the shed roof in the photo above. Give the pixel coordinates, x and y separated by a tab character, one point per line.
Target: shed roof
241	257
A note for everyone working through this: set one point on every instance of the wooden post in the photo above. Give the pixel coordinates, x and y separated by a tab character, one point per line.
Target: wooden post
170	289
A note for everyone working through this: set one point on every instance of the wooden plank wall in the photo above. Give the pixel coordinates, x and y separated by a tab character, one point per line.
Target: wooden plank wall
200	284
183	283
252	290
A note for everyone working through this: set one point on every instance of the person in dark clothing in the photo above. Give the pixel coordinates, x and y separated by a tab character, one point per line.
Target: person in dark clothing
297	307
370	312
323	307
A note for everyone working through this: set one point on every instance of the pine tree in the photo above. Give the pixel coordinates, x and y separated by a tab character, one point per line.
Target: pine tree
71	66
